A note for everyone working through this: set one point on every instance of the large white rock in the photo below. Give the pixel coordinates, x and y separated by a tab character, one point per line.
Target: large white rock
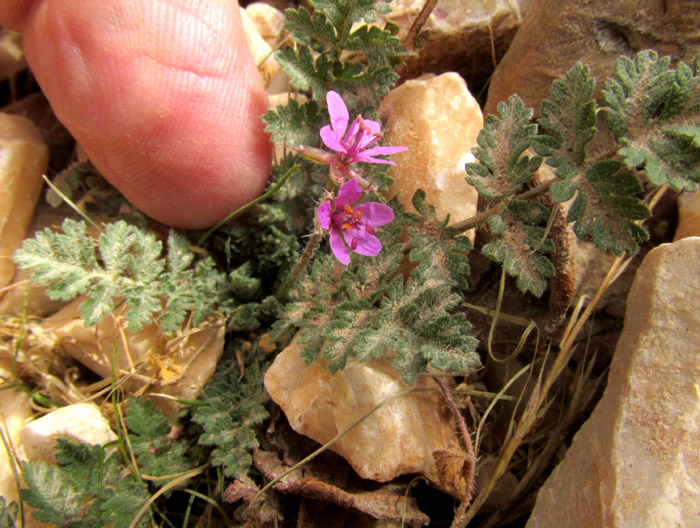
636	461
399	438
23	159
438	120
82	422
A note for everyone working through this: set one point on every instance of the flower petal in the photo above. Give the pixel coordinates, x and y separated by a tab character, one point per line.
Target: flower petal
324	214
330	139
338	113
348	194
366	155
375	214
340	249
368	245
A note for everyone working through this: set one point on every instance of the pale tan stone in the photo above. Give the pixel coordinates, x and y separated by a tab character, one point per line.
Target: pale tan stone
15	413
398	438
24	296
23	159
688	216
268	20
636	461
177	366
11	56
82	422
268	67
438	120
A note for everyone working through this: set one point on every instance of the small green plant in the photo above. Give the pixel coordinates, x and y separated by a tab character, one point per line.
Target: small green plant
328	258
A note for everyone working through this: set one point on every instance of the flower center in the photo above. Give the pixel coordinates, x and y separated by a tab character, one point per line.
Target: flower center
350	219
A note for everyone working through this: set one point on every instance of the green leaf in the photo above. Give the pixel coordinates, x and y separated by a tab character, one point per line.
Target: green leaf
9	514
314	31
570	120
520	245
655	112
304	72
502	168
295	124
156	453
605	208
234	405
87	489
129	266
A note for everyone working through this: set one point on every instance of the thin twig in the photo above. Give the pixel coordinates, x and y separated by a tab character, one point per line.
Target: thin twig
418	23
466	225
468	446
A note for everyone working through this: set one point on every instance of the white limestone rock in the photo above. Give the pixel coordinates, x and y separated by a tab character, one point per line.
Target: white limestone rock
636	461
438	120
397	439
23	159
82	422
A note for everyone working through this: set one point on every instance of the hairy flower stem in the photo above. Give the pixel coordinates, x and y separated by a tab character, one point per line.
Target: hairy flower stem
468	446
466	225
311	247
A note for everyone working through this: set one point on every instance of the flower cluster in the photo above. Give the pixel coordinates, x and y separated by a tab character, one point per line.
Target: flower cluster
351	227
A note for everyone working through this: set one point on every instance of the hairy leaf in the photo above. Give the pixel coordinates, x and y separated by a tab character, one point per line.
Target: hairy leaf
295	124
502	167
520	245
234	405
87	489
655	112
9	514
126	265
569	120
157	454
605	208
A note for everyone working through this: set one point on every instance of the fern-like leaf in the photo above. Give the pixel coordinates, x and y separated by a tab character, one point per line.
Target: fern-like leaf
605	207
520	245
86	489
502	168
125	264
233	406
570	122
655	112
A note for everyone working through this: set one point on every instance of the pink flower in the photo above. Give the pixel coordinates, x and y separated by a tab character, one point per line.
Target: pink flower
353	146
353	228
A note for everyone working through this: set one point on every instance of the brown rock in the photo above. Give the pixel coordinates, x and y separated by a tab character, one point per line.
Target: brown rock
398	438
636	461
438	120
23	159
688	216
556	34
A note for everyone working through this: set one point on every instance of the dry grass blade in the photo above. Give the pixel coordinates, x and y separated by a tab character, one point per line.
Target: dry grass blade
540	394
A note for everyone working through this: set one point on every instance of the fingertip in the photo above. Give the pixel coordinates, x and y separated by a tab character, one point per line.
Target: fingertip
164	97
